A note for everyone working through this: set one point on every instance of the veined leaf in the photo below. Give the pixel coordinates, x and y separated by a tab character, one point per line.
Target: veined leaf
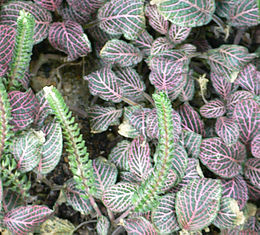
121	53
229	215
24	219
24	108
235	98
252	171
235	188
131	83
122	16
127	176
104	84
197	204
253	192
51	149
105	174
174	92
50	5
144	42
188	13
247	116
103	117
77	198
103	225
119	155
255	146
26	149
118	197
187	92
86	6
139	158
178	34
69	37
222	160
161	44
227	130
213	109
156	20
164	217
139	226
10	12
7	40
249	79
191	120
192	142
1	194
11	200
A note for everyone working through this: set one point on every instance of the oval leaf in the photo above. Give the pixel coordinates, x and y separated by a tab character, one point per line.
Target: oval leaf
222	160
24	219
105	175
69	37
255	146
192	142
118	197
252	171
103	225
187	92
178	34
188	13
213	109
161	44
122	16
139	226
50	5
144	42
197	204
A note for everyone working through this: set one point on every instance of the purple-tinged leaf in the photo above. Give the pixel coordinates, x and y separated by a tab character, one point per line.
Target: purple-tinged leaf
68	13
25	81
77	198
188	90
235	98
244	13
103	83
119	155
197	203
156	20
161	44
122	16
24	219
139	158
138	120
26	149
87	7
227	130
69	37
50	5
255	146
222	160
252	171
11	200
213	109
1	194
229	215
189	49
187	13
118	197
253	192
24	106
235	188
103	225
10	12
51	149
223	7
191	120
103	117
236	231
144	42
127	176
192	142
105	175
193	171
7	39
139	226
164	217
131	83
120	53
177	34
174	92
247	116
127	130
249	79
168	69
221	85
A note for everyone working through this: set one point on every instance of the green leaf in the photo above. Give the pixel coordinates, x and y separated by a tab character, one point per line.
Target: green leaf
140	226
197	204
189	13
103	225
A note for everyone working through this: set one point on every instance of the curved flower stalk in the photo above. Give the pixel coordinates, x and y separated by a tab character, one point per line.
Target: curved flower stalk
147	196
